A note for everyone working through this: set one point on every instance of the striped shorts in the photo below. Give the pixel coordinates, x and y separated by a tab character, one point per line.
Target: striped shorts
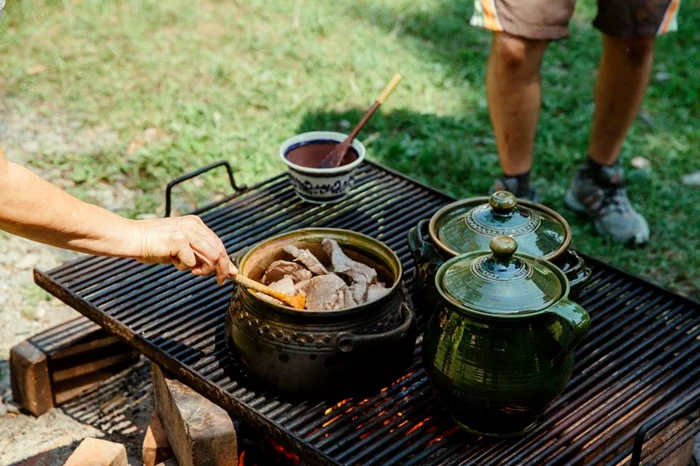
549	19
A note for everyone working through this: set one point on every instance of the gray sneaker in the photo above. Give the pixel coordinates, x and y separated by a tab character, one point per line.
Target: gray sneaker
528	193
601	195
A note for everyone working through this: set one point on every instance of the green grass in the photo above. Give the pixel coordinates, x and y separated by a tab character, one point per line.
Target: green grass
32	296
231	80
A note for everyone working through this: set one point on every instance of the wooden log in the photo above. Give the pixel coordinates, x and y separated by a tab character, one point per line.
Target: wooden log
200	432
95	452
30	379
62	362
156	448
168	462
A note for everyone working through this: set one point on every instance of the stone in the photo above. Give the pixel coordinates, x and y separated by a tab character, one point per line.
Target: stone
692	179
640	163
95	452
156	448
12	408
28	261
662	76
199	432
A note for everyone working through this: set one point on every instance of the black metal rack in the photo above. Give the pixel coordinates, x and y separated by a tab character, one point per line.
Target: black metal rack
641	357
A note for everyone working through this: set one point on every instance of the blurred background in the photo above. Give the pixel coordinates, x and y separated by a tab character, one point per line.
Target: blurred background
110	100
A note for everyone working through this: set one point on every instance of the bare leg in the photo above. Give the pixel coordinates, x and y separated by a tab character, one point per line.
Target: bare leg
622	79
513	84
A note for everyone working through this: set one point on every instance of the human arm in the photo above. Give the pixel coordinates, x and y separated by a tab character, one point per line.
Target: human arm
35	209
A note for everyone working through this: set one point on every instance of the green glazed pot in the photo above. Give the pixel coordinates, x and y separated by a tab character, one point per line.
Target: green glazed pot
499	346
468	225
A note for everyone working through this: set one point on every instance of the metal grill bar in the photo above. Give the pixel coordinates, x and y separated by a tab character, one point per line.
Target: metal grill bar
642	349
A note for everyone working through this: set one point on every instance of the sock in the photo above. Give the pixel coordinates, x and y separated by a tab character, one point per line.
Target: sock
518	185
523	180
592	164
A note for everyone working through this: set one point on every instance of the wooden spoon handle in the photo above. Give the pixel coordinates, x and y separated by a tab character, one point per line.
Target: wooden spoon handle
293	301
389	88
370	111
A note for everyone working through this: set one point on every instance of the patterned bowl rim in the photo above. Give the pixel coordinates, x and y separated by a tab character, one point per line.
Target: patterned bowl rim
316	136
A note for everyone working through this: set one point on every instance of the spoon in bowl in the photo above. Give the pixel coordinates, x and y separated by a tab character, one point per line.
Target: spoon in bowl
336	156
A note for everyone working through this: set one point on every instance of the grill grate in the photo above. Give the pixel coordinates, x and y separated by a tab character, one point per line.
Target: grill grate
640	356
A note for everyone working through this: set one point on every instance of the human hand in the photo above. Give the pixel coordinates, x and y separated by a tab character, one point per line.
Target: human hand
187	243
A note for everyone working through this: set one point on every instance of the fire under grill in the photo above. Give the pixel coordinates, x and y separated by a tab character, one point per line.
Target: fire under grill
637	372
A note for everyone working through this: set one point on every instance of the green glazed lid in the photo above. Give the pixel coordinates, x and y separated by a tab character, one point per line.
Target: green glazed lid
468	226
500	282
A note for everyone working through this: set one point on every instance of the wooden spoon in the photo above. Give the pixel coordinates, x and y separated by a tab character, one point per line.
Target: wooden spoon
337	155
297	302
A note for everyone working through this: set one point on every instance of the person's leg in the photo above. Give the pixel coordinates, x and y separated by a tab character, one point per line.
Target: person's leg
623	75
521	31
597	189
514	92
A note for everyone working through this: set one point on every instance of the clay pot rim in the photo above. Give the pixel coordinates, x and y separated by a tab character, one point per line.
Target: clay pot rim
324	232
432	226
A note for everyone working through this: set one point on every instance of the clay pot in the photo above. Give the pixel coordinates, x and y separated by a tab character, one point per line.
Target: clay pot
499	345
320	352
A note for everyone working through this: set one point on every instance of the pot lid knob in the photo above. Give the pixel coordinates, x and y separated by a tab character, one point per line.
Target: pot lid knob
503	202
501	282
503	247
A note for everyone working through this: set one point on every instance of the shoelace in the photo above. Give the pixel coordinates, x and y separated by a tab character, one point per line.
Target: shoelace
615	197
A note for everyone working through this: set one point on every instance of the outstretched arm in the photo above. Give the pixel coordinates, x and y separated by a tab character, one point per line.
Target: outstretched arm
40	211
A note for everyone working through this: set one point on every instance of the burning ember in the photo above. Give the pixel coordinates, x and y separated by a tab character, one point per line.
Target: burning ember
294	459
259	453
341	403
440	438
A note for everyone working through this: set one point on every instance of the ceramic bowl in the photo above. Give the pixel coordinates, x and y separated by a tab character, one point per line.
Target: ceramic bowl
320	186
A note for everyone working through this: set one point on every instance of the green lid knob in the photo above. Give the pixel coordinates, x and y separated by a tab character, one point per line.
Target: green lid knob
503	201
503	246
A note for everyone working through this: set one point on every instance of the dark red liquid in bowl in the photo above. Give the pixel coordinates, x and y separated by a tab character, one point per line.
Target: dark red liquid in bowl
310	154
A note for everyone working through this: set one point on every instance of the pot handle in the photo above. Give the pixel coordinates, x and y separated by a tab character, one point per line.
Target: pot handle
423	252
585	271
569	324
347	341
194	174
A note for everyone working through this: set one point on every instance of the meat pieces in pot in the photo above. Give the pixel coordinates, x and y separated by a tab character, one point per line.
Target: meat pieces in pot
343	265
280	269
328	283
326	292
305	257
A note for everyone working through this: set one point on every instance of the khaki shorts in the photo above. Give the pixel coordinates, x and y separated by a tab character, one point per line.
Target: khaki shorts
549	19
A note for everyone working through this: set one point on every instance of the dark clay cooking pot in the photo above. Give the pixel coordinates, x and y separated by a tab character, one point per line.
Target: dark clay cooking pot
499	346
469	225
320	352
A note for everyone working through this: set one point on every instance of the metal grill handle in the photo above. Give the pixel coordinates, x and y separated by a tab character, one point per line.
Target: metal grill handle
663	419
194	174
